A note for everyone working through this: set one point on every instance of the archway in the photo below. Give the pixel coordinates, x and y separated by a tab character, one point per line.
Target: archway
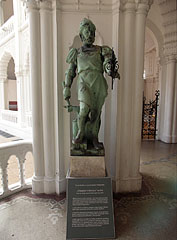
151	86
11	87
151	65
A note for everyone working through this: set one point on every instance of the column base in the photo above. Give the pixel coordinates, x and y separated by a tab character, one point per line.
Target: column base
38	184
169	138
49	185
60	185
127	184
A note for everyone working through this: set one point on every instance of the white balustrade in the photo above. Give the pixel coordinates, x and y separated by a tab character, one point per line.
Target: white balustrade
8	115
19	149
7	28
29	119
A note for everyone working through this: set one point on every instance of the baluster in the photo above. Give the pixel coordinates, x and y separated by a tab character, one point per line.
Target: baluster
22	171
4	177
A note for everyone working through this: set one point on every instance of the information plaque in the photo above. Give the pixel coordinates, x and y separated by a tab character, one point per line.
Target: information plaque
90	208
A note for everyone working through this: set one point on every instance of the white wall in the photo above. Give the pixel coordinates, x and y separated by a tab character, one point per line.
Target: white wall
10	92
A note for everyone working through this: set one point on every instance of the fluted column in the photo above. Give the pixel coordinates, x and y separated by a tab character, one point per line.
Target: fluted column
58	99
140	22
48	94
126	146
3	81
27	95
1	13
131	60
20	98
2	93
35	74
168	103
170	117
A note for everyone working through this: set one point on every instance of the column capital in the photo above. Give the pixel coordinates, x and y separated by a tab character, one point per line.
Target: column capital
31	4
171	58
140	6
46	5
128	6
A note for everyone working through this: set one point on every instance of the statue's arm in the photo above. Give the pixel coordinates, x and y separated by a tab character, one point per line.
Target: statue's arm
70	74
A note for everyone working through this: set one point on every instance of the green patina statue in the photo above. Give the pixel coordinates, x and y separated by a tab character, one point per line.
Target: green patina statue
90	61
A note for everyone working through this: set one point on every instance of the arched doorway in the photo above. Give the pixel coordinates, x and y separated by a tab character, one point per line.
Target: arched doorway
151	86
151	66
11	87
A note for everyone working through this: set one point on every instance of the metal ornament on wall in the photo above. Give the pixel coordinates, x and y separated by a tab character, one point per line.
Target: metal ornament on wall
149	117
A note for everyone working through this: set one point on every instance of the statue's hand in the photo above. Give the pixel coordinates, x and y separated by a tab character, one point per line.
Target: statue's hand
66	93
117	75
69	106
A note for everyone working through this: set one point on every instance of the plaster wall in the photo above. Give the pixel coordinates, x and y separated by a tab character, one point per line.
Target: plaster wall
155	16
8	9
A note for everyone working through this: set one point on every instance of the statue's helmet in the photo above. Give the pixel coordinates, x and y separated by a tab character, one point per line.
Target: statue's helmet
86	22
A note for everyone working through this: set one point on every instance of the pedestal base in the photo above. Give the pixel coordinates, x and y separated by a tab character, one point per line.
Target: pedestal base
87	166
90	212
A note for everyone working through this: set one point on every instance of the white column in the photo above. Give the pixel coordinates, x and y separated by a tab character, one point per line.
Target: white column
20	99
124	146
35	74
1	13
2	93
58	102
170	113
48	95
3	82
18	72
131	60
27	96
141	14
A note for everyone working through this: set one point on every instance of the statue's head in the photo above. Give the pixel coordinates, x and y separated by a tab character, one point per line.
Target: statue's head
87	32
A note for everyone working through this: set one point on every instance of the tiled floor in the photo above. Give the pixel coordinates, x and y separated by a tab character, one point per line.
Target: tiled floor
149	215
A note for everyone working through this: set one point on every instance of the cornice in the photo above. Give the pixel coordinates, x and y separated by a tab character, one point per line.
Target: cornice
170	48
141	6
170	22
85	5
171	58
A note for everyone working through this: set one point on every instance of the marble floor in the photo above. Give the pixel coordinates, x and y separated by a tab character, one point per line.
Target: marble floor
148	215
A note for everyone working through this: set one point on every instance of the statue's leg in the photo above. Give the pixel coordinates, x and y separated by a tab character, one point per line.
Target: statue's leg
95	131
84	110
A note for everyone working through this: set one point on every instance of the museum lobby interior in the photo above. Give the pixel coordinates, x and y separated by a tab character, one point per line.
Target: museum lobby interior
35	128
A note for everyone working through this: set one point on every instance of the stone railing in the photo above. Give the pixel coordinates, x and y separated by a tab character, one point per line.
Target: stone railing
7	28
29	119
19	149
8	115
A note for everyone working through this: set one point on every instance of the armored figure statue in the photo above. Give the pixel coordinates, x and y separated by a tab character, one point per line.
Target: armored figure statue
90	62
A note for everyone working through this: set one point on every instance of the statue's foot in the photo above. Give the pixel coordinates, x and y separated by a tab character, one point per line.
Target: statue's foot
78	139
96	144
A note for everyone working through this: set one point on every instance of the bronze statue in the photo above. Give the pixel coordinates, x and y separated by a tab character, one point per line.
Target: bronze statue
90	62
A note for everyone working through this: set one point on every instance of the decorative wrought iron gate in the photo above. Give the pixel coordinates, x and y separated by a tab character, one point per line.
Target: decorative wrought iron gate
149	117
